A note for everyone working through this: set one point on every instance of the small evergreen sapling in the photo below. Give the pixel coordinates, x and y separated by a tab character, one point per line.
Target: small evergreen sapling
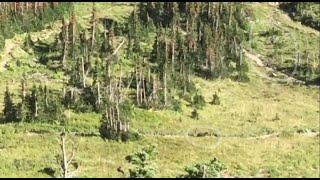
198	101
142	161
9	111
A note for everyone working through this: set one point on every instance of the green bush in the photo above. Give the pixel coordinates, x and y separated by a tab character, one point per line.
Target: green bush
195	114
271	32
124	136
215	100
198	101
176	105
142	162
205	170
130	136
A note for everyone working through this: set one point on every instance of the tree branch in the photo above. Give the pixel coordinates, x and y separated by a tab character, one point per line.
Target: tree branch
115	51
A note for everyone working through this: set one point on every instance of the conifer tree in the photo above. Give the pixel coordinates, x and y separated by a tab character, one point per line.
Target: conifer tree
9	111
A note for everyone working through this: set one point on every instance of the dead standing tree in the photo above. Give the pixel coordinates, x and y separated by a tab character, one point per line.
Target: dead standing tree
65	162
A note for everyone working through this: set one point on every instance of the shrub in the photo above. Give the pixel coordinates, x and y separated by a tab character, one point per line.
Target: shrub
205	170
176	105
215	100
195	114
141	160
112	134
130	136
198	101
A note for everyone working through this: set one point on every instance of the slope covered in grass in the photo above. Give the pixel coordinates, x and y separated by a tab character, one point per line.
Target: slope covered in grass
262	128
280	40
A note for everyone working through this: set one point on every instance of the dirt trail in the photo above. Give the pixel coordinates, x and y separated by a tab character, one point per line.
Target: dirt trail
308	134
276	135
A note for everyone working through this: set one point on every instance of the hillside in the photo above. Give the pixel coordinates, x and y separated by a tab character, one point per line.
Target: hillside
266	125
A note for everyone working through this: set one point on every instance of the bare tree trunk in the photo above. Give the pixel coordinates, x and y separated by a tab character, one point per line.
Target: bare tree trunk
296	64
165	72
64	93
74	23
137	86
204	171
173	54
22	8
15	8
165	86
93	26
36	105
140	86
64	157
120	81
110	83
35	7
66	39
66	173
23	89
46	96
314	62
99	95
72	94
217	23
110	118
115	121
230	15
187	23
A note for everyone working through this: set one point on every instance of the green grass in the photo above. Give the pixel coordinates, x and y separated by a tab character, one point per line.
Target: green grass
279	157
246	110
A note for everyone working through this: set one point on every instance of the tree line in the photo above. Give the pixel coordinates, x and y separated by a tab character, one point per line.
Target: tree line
110	70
